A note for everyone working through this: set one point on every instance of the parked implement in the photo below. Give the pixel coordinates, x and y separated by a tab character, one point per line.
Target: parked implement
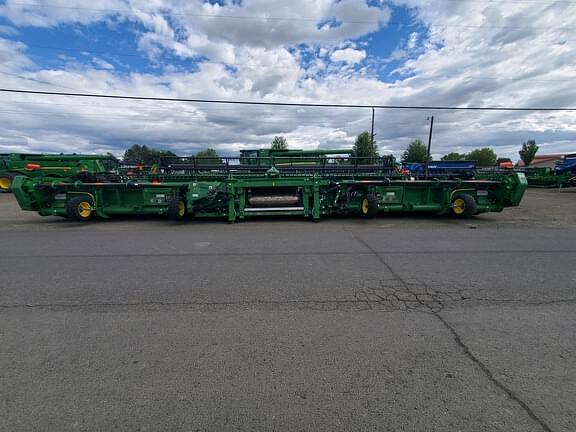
449	169
268	157
562	175
311	184
5	175
71	166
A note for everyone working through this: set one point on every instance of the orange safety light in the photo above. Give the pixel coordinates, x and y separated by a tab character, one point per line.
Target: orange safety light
33	167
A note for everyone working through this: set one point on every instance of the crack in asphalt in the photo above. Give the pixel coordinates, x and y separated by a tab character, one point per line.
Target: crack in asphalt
414	295
259	305
509	392
387	298
380	295
407	296
434	306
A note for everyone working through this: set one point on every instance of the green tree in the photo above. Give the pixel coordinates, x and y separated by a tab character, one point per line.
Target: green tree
279	143
484	156
145	155
453	156
365	147
416	153
528	152
209	157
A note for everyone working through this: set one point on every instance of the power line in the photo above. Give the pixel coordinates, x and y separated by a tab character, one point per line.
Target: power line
471	78
39	81
78	116
144	106
292	104
211	114
200	15
48	83
315	20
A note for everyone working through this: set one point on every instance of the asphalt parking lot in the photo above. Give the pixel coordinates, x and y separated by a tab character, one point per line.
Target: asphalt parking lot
400	323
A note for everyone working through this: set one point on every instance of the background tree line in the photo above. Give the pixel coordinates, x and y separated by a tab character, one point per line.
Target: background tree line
364	147
149	156
417	152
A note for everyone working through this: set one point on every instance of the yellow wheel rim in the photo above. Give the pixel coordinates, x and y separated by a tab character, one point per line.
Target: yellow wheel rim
365	206
5	183
459	205
181	209
84	209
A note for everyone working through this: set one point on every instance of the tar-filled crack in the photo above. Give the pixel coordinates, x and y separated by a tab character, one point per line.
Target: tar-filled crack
432	301
201	306
414	295
366	299
410	296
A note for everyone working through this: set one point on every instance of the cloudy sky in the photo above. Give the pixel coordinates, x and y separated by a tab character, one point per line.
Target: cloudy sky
518	53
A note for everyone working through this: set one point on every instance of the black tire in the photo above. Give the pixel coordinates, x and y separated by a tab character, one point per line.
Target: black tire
464	205
369	206
80	208
177	209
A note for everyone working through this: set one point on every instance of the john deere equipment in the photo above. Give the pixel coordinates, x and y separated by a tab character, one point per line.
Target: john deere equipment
308	184
72	166
268	157
449	169
5	176
562	175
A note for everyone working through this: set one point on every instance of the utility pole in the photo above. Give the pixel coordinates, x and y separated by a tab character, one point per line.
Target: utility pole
429	143
372	133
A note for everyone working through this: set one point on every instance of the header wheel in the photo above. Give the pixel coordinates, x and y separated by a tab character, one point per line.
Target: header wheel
369	206
80	208
464	205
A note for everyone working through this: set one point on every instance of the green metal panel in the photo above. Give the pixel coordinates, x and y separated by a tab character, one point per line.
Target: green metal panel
57	166
547	177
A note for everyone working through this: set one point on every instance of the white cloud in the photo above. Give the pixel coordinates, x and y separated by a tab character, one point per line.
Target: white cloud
102	64
482	54
200	44
348	55
12	57
261	23
412	40
7	30
42	13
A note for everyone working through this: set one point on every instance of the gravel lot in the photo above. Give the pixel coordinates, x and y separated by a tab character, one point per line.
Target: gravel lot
400	323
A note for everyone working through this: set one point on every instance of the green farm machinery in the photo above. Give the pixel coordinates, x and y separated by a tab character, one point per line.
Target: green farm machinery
542	177
310	184
69	166
5	176
562	175
268	157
